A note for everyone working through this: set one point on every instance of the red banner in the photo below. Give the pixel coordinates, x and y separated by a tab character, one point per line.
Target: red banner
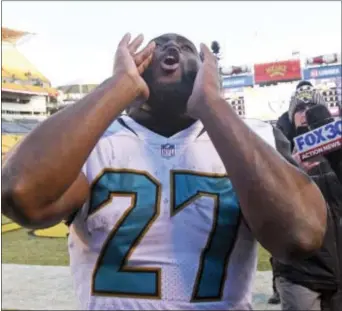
278	71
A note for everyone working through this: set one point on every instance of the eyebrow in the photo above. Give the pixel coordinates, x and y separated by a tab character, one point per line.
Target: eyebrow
185	40
178	39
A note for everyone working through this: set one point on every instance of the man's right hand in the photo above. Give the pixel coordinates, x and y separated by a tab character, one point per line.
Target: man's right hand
129	65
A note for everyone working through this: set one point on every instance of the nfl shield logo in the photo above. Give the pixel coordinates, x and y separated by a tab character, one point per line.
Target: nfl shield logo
167	151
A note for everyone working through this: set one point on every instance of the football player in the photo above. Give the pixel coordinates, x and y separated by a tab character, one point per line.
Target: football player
168	201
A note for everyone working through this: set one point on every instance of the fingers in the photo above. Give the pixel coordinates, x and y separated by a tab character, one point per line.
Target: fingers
142	67
205	50
125	40
207	55
144	57
144	54
135	44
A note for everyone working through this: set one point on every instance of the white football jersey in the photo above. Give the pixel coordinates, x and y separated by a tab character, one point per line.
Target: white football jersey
163	227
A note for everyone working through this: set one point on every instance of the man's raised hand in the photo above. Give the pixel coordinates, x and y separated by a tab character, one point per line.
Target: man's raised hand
130	64
207	83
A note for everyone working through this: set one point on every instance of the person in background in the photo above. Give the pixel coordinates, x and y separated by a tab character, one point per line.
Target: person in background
312	283
284	123
289	130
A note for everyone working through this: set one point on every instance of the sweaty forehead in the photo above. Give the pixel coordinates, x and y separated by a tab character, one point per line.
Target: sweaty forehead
173	36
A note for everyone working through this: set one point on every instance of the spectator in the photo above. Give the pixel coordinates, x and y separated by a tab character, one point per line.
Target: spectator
289	130
311	284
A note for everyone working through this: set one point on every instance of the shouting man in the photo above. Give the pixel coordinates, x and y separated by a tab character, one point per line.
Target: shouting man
167	203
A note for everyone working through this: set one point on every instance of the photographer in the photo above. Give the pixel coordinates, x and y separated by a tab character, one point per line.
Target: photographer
313	283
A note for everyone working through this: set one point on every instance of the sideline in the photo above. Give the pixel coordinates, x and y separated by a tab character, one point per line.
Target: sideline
50	288
57	231
8	227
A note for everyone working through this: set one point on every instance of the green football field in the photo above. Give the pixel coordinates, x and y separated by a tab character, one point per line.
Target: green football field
49	247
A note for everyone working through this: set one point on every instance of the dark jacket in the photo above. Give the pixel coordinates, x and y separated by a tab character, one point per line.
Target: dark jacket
321	271
284	124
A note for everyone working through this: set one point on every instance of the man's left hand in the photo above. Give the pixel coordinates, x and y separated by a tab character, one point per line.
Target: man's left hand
206	86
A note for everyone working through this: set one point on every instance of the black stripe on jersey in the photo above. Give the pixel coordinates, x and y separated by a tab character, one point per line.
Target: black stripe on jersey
122	122
69	220
201	132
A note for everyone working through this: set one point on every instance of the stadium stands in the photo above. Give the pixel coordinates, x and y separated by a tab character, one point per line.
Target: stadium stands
18	127
13	131
262	102
16	66
11	35
237	100
331	95
71	92
26	93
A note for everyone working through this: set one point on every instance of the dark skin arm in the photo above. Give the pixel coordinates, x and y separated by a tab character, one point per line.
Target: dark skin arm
282	206
42	182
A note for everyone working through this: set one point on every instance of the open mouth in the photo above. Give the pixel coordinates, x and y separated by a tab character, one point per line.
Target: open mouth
170	62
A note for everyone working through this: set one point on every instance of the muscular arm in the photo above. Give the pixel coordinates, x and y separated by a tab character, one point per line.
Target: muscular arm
41	179
282	206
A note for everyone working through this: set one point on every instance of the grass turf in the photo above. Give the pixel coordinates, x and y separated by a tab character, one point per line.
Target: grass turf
20	246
